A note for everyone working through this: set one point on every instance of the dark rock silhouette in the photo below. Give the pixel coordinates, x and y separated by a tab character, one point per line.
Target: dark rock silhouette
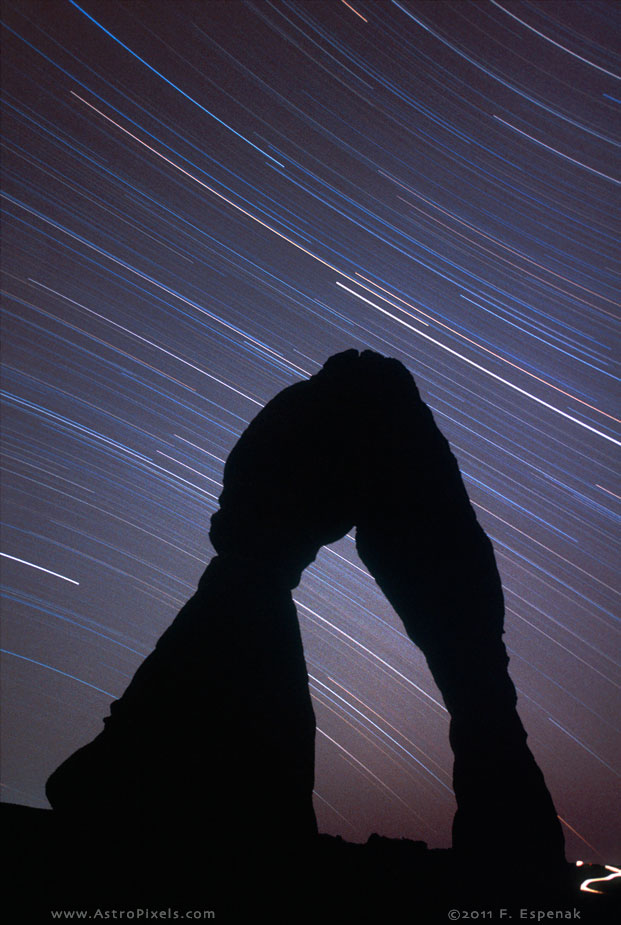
213	741
47	868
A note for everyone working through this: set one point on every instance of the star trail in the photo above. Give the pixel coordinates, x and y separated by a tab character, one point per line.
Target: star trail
201	202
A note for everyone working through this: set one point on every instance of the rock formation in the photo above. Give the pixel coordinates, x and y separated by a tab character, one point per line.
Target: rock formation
214	737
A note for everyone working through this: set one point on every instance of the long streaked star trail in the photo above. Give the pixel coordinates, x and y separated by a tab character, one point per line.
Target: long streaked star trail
201	202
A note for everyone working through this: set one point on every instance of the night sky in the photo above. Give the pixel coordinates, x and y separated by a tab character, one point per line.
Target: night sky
203	201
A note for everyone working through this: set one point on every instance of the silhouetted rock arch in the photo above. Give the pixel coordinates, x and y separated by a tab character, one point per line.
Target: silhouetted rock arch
214	737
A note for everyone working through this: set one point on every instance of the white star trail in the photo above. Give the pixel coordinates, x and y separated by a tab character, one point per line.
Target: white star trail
41	568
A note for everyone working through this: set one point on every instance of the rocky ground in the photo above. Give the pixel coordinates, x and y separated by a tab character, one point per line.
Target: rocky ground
48	871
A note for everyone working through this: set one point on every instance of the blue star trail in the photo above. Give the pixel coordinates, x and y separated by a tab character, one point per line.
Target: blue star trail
201	202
